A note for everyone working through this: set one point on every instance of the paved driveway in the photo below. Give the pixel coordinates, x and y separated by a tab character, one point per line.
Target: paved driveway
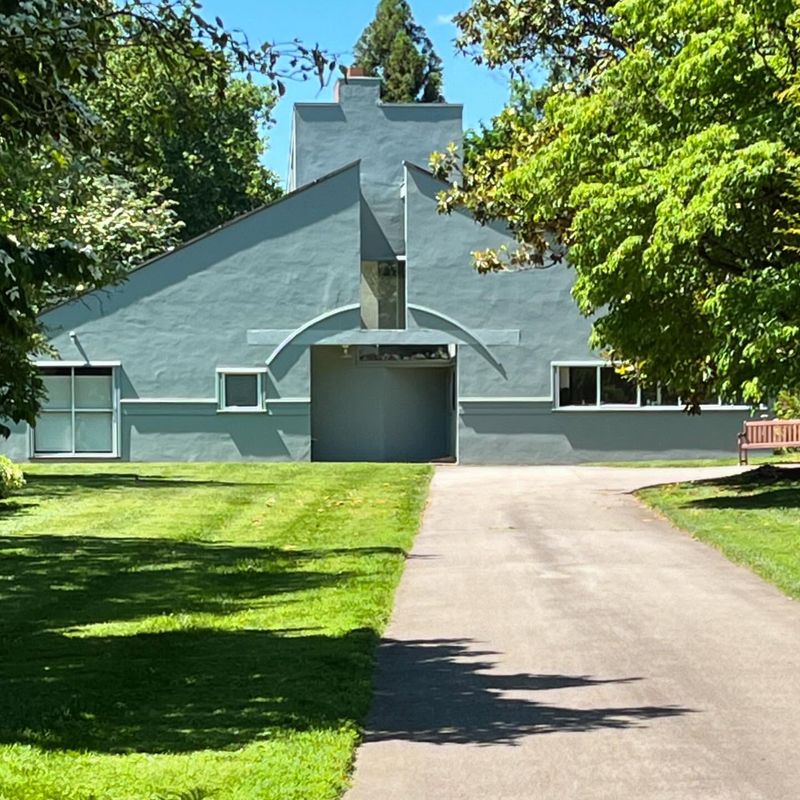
554	639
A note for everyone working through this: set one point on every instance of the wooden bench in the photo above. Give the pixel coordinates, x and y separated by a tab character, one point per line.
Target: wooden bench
768	434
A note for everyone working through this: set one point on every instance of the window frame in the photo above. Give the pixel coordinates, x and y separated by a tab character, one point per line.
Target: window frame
599	405
114	410
258	372
401	287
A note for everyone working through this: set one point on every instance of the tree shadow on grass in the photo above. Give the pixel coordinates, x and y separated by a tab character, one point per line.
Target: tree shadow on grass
65	687
767	486
60	484
210	688
446	691
51	581
788	498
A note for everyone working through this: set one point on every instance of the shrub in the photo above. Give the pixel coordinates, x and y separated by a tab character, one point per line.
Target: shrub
787	406
10	476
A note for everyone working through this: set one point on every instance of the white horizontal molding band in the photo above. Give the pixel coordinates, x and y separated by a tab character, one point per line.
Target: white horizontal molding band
286	400
431	336
78	363
482	399
162	400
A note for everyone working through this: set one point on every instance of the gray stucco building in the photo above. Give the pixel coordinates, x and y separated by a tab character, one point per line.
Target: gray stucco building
344	322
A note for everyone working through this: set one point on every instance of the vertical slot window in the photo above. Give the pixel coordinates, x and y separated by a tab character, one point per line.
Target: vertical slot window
383	295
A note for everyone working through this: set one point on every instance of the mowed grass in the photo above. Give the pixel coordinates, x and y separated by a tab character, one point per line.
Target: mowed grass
753	518
756	458
194	631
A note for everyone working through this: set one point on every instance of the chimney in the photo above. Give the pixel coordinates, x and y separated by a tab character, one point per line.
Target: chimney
352	72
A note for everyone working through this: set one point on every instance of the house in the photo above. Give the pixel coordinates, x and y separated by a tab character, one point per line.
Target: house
344	322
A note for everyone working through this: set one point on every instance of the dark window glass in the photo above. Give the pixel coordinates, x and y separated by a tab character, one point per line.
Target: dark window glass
649	395
577	386
615	389
241	391
668	397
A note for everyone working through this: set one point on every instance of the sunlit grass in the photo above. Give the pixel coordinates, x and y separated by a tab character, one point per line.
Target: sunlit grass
193	631
753	518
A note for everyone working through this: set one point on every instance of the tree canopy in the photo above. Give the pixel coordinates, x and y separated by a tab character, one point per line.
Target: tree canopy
181	137
80	200
396	49
661	153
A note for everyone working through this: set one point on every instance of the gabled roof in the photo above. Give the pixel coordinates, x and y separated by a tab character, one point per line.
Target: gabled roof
247	214
200	237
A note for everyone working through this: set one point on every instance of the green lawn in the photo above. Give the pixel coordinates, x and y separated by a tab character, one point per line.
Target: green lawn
194	631
753	518
756	459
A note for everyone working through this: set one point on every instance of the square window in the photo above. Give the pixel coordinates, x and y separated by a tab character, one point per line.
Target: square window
616	389
241	390
577	386
79	413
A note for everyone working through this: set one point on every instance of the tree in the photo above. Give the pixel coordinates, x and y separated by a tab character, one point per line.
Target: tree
51	151
664	158
181	137
398	51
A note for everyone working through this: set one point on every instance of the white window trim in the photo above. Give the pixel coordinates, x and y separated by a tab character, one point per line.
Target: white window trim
116	428
259	372
637	407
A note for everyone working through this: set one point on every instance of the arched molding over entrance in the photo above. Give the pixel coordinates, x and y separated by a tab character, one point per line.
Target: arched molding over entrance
434	327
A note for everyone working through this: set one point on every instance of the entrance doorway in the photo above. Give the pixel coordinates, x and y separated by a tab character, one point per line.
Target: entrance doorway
375	403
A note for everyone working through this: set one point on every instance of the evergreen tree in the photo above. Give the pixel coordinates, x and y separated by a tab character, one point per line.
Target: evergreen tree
398	51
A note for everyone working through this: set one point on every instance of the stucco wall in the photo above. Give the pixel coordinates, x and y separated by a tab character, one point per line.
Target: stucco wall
230	299
174	321
507	410
359	126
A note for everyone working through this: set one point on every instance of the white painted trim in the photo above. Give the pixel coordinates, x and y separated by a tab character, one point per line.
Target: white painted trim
279	400
78	363
485	399
259	374
678	409
74	457
115	411
406	276
160	400
597	362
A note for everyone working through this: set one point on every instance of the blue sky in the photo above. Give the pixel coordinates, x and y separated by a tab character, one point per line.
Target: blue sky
336	26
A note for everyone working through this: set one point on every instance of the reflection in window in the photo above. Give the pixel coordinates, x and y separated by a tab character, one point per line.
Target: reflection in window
615	389
405	354
383	295
78	414
577	386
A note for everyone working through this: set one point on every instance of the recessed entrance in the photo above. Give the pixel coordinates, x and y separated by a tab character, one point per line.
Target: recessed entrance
382	404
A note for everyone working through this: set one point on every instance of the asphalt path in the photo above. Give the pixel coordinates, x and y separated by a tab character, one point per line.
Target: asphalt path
552	638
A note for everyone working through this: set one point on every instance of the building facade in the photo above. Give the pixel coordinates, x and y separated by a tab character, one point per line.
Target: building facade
344	322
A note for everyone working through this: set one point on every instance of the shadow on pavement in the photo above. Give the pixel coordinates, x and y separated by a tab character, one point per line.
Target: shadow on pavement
441	691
